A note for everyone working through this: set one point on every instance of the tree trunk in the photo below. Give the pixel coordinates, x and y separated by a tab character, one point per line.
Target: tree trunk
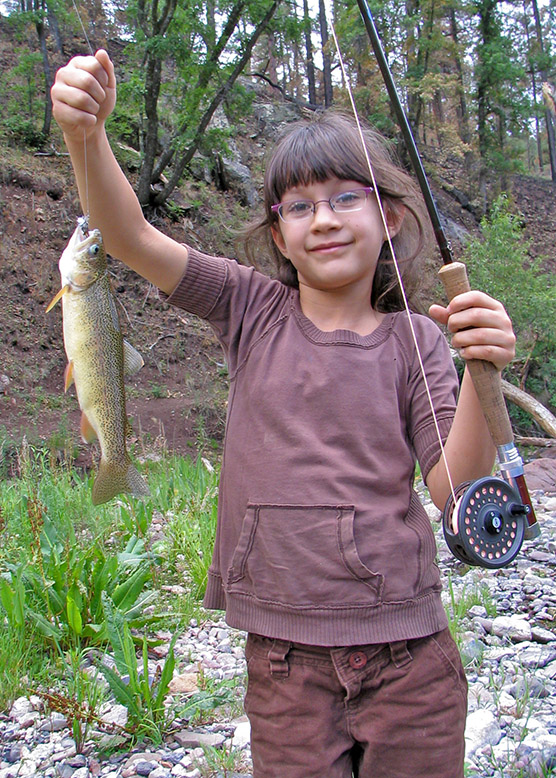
55	28
326	64
544	418
311	84
488	33
463	113
207	71
150	140
548	118
156	25
180	166
41	32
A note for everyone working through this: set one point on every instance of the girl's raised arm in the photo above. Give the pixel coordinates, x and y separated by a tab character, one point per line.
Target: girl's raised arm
83	96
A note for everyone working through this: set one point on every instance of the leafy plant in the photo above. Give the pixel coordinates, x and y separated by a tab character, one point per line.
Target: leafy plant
458	607
143	696
60	589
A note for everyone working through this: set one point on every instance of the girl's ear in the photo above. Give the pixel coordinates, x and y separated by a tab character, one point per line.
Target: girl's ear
278	239
394	218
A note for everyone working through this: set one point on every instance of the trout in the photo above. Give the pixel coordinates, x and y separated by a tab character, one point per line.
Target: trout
98	358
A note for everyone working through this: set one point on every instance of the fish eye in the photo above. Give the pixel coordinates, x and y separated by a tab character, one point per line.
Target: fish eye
94	249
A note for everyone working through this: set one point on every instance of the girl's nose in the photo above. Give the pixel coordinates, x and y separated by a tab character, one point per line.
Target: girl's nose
323	215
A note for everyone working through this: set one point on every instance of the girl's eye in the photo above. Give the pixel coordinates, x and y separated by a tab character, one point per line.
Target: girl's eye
348	199
298	208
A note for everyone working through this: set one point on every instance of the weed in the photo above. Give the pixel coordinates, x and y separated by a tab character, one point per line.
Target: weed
458	607
218	762
143	696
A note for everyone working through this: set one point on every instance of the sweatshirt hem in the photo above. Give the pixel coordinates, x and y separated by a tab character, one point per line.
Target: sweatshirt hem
384	623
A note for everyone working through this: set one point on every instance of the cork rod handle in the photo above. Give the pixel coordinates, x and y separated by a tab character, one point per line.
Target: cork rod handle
486	378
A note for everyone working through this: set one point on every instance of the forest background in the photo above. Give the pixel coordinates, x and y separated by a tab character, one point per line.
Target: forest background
191	129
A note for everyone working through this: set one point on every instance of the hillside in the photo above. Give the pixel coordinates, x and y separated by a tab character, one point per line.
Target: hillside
178	398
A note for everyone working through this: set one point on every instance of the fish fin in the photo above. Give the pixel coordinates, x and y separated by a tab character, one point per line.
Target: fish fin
133	361
68	376
88	432
57	297
114	479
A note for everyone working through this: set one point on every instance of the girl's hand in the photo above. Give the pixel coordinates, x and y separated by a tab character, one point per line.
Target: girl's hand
480	327
84	94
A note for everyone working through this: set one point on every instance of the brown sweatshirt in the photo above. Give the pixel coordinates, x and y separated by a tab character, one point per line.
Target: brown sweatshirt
321	538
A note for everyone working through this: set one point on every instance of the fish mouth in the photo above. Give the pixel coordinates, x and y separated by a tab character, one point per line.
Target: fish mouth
82	236
75	263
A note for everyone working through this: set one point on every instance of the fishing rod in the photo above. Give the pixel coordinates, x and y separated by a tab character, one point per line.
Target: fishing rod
485	521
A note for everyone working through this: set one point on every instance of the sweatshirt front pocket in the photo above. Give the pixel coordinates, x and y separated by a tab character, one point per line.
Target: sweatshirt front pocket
301	556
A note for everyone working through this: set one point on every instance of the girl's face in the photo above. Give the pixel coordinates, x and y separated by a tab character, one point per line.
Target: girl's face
333	250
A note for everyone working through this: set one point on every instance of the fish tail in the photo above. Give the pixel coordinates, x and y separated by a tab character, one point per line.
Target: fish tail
114	479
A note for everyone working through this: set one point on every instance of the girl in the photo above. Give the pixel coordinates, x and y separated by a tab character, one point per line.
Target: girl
323	553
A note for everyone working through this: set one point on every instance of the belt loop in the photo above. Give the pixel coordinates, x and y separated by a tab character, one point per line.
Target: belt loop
399	653
277	658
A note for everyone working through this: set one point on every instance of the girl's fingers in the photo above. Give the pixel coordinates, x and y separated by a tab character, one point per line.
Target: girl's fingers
84	91
480	327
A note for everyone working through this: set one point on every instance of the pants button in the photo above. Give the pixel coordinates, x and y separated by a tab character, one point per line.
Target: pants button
357	660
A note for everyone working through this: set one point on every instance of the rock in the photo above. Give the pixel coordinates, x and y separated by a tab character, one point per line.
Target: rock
242	733
541	474
482	729
20	707
145	768
56	722
189	739
513	627
186	683
114	714
541	635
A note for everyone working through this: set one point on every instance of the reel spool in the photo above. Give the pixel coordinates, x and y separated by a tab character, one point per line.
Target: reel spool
485	525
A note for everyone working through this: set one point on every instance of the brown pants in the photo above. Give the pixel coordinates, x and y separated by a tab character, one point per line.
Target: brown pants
394	710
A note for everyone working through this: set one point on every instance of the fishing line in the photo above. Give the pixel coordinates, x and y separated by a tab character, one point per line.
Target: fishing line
86	203
395	262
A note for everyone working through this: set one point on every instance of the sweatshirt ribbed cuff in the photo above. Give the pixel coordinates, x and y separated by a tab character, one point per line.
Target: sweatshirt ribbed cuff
201	285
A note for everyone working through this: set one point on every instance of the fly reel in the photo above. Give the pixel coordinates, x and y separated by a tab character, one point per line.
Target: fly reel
485	525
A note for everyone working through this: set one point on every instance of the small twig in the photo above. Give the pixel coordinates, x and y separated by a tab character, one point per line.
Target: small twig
161	337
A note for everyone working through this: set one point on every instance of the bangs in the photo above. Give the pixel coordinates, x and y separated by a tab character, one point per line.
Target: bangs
312	154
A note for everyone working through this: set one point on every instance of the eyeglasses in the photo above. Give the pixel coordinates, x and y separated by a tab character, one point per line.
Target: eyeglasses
343	202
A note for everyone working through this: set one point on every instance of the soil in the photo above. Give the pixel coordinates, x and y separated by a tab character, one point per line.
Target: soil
178	399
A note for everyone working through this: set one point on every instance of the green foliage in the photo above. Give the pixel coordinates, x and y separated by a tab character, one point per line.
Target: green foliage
20	661
23	100
459	606
143	696
73	575
59	554
192	526
59	589
501	265
81	701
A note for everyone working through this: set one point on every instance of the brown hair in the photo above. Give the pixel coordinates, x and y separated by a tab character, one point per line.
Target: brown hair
330	145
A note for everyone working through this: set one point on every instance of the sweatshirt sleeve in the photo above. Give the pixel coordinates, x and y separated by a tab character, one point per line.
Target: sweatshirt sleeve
238	302
443	385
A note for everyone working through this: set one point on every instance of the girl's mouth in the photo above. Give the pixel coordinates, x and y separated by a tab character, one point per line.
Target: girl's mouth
327	247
